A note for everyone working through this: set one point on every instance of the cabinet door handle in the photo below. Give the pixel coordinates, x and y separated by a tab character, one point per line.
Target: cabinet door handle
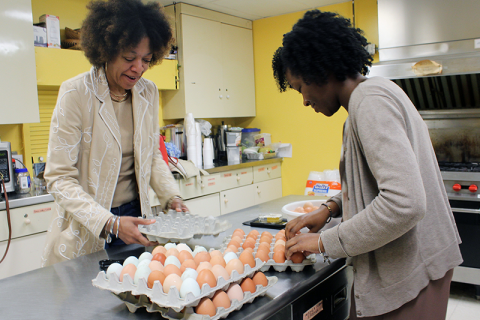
226	200
238	178
27	221
268	170
228	97
220	96
259	191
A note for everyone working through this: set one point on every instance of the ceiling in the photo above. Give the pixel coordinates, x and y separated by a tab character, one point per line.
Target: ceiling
255	9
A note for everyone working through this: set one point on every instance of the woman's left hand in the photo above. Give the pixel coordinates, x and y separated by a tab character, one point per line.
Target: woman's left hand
178	205
304	242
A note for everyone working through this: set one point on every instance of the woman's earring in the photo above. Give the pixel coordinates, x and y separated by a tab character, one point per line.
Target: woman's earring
105	66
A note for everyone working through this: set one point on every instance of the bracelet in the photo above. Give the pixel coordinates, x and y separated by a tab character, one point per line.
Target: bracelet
118	227
326	258
329	210
169	202
112	224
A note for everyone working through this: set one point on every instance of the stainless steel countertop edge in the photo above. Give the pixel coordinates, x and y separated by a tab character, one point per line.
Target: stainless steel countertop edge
24	200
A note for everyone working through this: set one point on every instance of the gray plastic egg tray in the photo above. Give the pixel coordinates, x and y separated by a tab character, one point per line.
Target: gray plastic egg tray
134	303
172	299
279	267
178	226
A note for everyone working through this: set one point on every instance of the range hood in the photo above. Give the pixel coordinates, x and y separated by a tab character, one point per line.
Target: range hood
431	49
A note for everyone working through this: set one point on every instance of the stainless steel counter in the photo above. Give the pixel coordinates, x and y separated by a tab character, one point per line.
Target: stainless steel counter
65	290
16	200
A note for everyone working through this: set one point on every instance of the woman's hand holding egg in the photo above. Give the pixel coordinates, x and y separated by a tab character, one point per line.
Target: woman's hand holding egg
314	221
304	242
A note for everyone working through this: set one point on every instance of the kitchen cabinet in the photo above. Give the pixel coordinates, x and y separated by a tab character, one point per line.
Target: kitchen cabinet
205	206
216	73
29	226
268	190
18	88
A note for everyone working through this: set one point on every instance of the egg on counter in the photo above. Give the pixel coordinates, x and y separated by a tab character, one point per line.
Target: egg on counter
233	248
144	262
221	299
189	285
155	275
214	253
218	260
259	278
297	257
201	256
235	292
145	256
183	247
262	255
189	263
198	249
247	285
172	269
246	257
159	249
189	273
206	276
237	239
131	260
142	272
264	246
234	264
206	307
279	256
204	265
184	255
170	245
238	232
249	243
172	252
229	256
156	265
253	234
172	260
129	269
114	268
160	257
172	280
220	271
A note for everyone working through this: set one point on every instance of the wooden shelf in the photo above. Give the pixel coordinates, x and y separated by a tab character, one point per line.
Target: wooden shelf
57	65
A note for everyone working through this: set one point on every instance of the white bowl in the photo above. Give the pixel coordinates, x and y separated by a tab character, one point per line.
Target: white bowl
288	208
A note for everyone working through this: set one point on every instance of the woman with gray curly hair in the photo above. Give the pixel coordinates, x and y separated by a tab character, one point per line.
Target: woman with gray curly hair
103	151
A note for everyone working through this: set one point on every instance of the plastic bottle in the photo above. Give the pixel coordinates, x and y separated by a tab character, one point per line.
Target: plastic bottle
23	181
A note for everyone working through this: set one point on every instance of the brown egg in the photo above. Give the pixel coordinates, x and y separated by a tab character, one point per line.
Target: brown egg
214	253
160	257
184	255
265	239
221	299
129	269
249	243
266	233
171	268
248	250
201	256
297	257
172	252
253	234
232	247
307	205
189	263
279	256
156	265
248	285
264	246
234	264
159	249
238	239
239	231
220	271
308	209
279	249
279	243
235	243
218	260
206	276
235	292
204	265
172	280
154	276
280	235
247	258
262	255
206	307
260	279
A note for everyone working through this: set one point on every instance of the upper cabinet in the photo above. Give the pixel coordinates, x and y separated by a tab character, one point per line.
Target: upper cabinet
216	72
17	60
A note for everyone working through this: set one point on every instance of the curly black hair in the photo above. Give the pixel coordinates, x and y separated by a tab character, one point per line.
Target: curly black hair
320	44
115	25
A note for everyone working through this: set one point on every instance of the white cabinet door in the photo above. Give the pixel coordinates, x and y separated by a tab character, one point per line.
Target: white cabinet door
205	206
268	190
266	172
236	178
17	60
23	255
237	199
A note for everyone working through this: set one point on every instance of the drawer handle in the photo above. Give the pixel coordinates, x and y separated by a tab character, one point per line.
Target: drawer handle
259	191
268	171
202	185
226	200
27	221
238	178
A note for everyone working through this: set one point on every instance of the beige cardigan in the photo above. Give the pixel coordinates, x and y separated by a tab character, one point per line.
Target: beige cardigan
398	228
84	158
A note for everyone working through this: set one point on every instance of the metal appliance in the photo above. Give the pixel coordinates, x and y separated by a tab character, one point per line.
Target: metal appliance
443	39
220	144
6	167
175	134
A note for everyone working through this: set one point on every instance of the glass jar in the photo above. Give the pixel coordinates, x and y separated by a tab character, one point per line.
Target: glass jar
23	181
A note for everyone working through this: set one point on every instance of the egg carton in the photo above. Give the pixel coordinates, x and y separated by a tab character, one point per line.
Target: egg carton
133	303
178	226
172	299
279	267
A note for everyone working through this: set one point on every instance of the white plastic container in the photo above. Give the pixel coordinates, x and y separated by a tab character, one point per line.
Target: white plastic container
233	138
23	181
288	208
234	155
247	137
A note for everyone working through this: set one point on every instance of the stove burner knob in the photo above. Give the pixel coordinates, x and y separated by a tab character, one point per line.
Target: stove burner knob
457	187
473	188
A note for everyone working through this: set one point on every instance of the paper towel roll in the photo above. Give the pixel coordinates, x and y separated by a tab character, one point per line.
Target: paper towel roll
192	154
198	144
207	153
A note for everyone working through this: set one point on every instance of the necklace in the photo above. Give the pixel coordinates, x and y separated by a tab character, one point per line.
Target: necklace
125	97
119	95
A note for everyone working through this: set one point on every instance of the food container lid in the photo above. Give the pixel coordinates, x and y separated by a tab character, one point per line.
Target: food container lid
21	170
250	130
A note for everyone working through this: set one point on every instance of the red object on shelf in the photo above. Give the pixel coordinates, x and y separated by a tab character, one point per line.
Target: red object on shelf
457	187
163	149
473	188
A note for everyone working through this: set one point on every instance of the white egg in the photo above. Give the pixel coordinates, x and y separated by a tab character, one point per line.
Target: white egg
114	268
145	256
133	260
183	246
144	262
189	273
198	249
229	256
189	285
142	272
170	245
172	260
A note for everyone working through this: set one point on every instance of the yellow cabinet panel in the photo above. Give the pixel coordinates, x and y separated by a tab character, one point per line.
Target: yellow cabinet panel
55	66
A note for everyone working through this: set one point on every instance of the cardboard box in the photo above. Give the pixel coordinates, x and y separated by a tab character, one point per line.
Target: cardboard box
53	30
39	36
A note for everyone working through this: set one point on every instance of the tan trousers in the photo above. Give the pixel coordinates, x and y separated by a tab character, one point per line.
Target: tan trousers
430	304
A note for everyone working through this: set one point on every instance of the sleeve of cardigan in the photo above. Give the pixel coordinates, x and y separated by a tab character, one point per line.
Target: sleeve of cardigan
379	127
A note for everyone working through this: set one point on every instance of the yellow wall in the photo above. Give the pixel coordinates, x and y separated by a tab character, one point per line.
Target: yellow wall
316	139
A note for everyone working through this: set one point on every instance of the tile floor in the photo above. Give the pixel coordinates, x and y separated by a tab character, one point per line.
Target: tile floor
462	304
